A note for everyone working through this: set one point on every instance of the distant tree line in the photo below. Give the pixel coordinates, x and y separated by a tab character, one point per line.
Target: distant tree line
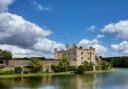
117	61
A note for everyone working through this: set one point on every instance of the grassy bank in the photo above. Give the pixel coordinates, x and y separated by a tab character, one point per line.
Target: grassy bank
36	74
52	74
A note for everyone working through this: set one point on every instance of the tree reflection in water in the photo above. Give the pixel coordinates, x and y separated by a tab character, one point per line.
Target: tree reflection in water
50	82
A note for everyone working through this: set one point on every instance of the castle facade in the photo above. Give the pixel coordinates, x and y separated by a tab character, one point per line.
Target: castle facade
76	55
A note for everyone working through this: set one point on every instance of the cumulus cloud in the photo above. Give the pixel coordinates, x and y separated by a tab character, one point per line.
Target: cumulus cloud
16	51
100	49
99	36
91	28
47	45
15	30
39	7
4	5
24	38
120	29
121	48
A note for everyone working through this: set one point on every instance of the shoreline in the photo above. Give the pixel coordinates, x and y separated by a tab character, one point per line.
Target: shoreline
54	74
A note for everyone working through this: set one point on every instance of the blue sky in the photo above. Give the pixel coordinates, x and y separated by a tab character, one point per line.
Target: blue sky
71	21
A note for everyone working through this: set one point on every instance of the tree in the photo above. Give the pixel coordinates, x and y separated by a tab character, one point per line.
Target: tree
105	65
18	70
88	66
35	66
80	70
62	66
5	55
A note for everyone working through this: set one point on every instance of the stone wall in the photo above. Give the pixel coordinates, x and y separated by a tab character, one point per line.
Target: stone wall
21	63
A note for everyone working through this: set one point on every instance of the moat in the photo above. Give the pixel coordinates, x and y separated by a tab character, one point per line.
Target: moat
108	80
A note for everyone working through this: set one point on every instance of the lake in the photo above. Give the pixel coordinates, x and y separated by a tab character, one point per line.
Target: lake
112	80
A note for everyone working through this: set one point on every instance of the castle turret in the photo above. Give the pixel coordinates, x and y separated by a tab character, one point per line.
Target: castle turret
67	46
74	45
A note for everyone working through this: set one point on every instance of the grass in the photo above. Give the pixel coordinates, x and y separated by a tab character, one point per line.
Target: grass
52	74
35	74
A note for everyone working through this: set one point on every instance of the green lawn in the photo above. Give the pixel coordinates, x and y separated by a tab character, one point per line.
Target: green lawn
51	74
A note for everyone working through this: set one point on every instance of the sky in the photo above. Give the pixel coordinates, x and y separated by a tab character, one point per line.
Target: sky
35	27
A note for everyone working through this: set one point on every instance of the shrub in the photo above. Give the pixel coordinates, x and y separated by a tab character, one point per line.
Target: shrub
88	66
72	68
26	70
105	65
18	70
80	70
35	66
62	66
98	67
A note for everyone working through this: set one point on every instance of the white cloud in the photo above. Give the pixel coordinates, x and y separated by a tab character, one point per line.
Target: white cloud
15	30
24	38
99	36
4	5
121	48
39	7
91	28
47	45
120	29
100	49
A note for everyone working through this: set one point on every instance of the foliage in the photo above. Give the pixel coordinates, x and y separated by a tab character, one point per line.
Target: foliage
80	69
118	61
72	68
6	72
62	66
26	70
4	54
105	65
98	67
35	66
88	66
18	70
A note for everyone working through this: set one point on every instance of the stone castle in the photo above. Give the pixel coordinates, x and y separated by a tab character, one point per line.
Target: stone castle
76	55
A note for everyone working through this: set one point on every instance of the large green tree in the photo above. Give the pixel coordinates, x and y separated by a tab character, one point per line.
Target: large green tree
5	55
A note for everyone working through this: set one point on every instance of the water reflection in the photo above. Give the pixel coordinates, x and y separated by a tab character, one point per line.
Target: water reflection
50	82
89	81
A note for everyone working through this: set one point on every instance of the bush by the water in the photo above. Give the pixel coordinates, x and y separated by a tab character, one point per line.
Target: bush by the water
80	70
105	65
35	66
18	70
62	66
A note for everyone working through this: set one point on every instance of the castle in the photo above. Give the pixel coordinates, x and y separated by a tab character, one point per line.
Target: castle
76	55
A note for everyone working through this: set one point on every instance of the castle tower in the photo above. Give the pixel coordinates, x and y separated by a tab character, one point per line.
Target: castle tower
74	45
67	46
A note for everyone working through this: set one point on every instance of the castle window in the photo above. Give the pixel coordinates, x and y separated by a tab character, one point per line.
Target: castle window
68	53
82	53
81	58
74	59
74	53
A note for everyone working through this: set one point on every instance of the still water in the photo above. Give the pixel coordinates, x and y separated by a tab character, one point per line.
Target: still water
114	80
